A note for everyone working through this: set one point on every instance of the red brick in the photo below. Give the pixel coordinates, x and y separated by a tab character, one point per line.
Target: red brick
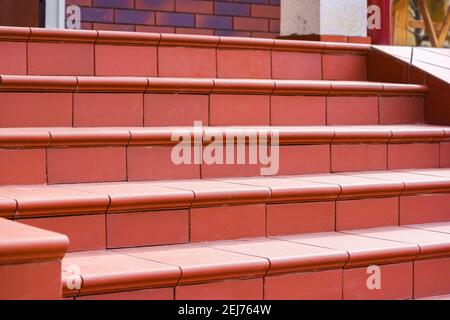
148	294
265	11
31	281
125	61
194	6
22	166
108	110
251	24
358	157
175	109
251	64
113	27
297	218
34	109
155	163
164	5
298	110
304	159
227	109
74	59
135	17
175	19
154	29
415	155
274	26
213	22
85	232
98	15
366	213
114	3
13	58
265	35
207	32
249	289
296	65
86	165
229	222
426	208
352	110
431	277
344	67
320	285
148	228
231	9
187	62
402	110
396	283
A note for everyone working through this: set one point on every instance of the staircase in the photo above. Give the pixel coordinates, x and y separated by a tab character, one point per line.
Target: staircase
86	149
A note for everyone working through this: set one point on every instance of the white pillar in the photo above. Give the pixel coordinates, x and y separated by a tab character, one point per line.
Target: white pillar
55	14
324	17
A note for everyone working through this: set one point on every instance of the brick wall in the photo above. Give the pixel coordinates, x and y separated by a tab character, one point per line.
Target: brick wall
248	18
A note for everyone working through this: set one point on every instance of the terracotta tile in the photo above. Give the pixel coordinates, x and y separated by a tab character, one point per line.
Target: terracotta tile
402	110
155	163
107	271
148	294
201	264
424	208
319	285
186	62
31	281
361	249
304	159
358	157
209	192
86	165
412	156
239	110
13	57
125	60
298	110
445	155
431	277
296	65
149	228
108	110
443	227
352	110
85	232
228	222
137	196
248	64
42	200
58	59
366	213
285	256
34	109
249	289
22	166
296	218
430	243
396	282
175	109
344	67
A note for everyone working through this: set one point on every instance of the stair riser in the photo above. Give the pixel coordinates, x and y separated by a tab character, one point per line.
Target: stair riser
25	109
47	58
400	281
138	163
150	228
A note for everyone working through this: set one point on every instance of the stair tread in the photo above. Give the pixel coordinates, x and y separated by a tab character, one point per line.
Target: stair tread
203	85
90	198
137	268
124	136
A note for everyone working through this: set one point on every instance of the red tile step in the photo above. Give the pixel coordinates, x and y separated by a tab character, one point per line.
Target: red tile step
36	51
100	215
82	155
365	264
50	101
